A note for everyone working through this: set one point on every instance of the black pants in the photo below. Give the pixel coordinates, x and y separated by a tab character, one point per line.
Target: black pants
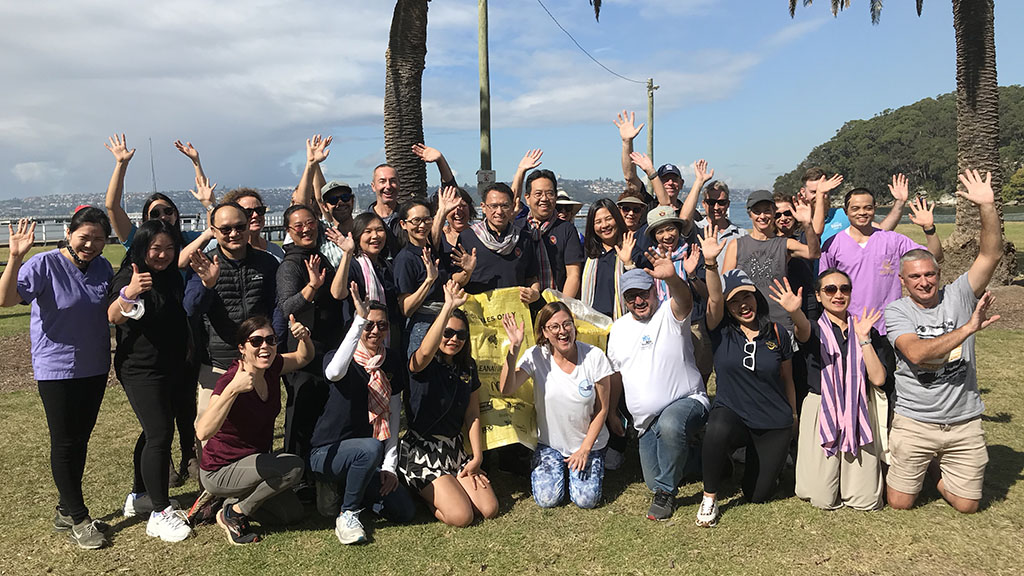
154	407
71	408
183	401
766	453
307	396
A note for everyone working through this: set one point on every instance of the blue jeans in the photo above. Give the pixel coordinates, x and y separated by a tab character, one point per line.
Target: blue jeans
354	464
549	476
667	449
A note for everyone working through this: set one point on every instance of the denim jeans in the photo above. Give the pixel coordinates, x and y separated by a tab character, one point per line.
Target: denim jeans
354	464
667	449
549	477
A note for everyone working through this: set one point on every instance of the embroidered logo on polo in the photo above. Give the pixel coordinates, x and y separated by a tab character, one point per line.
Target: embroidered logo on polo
552	239
771	345
645	342
586	388
518	252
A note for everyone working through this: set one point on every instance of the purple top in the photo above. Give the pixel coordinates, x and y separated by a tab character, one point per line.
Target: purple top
873	269
69	330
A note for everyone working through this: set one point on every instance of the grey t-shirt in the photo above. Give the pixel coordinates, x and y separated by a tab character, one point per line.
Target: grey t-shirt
941	390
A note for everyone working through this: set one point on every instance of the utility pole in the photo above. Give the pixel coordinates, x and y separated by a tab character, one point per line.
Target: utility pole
152	165
651	87
485	175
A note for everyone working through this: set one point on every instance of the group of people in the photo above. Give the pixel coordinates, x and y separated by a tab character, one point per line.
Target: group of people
800	319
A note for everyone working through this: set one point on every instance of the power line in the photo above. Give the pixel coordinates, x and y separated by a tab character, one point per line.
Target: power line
596	61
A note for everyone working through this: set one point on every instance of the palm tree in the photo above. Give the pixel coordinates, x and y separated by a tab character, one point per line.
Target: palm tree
977	123
405	60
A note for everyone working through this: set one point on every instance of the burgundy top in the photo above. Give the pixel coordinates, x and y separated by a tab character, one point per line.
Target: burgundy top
249	426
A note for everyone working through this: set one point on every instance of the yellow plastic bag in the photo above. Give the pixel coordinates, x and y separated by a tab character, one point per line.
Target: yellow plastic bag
592	327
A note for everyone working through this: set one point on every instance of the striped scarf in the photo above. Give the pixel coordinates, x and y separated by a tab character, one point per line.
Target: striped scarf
374	289
537	232
589	285
678	255
379	397
843	423
504	246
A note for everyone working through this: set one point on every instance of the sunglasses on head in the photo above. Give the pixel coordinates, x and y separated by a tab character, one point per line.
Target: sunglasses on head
786	213
227	230
161	211
712	202
261	210
831	289
336	198
257	341
458	334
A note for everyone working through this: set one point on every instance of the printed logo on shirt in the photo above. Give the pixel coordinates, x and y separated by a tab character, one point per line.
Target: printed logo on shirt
945	368
553	240
586	388
645	342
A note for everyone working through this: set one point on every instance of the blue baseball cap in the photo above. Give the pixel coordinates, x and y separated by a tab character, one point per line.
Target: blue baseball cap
635	279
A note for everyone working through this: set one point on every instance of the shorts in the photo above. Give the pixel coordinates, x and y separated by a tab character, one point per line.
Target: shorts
424	460
959	448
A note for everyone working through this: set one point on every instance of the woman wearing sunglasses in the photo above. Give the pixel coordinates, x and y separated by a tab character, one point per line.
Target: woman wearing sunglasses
355	442
755	402
238	428
442	408
571	390
837	457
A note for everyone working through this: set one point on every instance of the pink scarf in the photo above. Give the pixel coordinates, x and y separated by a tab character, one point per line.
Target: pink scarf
843	423
379	399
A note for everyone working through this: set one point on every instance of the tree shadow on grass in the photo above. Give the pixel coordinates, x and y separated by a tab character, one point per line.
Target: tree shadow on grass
1004	470
997	418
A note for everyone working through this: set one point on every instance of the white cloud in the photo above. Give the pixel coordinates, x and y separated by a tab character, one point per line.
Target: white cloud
41	172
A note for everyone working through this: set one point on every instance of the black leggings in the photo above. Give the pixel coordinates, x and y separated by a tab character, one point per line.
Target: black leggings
183	400
766	453
71	408
153	405
307	396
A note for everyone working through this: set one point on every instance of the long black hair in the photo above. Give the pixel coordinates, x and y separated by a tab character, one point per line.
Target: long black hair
592	245
463	359
176	235
144	236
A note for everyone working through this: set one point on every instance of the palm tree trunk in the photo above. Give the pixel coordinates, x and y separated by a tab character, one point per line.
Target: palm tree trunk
977	133
403	114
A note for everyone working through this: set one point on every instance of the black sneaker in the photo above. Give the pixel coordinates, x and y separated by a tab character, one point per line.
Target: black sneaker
662	506
236	526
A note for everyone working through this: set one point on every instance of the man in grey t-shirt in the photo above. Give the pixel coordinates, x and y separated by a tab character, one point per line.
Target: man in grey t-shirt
938	407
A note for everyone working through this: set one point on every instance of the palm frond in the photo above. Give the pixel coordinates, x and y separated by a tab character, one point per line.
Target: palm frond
597	9
920	5
876	11
792	8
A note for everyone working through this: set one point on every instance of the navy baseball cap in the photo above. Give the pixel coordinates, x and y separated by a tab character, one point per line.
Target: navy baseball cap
669	169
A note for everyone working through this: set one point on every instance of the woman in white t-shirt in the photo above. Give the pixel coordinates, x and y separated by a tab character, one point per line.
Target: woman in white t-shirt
571	384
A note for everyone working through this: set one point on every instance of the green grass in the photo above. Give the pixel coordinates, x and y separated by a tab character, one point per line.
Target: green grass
1014	232
786	536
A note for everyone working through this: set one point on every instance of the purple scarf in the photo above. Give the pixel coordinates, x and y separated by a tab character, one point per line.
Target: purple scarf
843	423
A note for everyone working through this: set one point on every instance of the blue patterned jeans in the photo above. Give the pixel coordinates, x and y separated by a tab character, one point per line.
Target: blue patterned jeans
548	478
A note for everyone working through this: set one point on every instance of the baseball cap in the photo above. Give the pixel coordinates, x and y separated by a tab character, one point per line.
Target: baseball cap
635	279
667	169
334	187
736	280
662	215
759	196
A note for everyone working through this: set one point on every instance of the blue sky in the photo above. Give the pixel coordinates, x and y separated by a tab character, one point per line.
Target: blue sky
742	84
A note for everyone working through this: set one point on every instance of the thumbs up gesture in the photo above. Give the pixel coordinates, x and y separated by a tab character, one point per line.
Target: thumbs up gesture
141	283
243	380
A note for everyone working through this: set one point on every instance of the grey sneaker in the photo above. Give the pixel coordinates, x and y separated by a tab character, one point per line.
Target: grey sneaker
62	523
328	501
348	528
662	506
87	535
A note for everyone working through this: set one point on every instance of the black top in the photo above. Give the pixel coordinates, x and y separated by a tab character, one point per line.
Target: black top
410	273
392	226
346	413
758	396
438	398
811	352
563	246
157	346
802	273
496	271
324	316
604	283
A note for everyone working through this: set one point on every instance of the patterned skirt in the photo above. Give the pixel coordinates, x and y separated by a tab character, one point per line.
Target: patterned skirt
424	460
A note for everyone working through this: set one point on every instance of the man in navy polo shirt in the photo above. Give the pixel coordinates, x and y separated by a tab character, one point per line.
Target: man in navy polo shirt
559	252
386	188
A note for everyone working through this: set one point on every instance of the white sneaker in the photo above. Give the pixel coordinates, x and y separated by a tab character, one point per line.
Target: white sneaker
613	459
707	514
169	525
348	528
138	503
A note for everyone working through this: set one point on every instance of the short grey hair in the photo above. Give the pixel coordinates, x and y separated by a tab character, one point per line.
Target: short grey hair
918	254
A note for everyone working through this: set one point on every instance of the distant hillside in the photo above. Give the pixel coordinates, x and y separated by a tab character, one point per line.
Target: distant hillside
918	140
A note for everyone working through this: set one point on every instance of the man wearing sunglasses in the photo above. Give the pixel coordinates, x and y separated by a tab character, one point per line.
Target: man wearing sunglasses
938	406
252	204
716	207
232	282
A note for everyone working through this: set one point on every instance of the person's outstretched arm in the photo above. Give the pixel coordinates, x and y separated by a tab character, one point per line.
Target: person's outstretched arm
511	376
316	152
643	162
689	208
900	190
454	296
712	247
119	220
530	161
434	156
204	195
990	245
625	122
678	289
20	241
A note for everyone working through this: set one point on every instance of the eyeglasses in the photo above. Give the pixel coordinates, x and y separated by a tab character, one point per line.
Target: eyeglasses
712	202
831	289
544	194
563	208
417	222
630	208
458	334
161	211
563	327
307	225
336	198
786	213
227	230
748	361
501	206
381	326
257	341
261	210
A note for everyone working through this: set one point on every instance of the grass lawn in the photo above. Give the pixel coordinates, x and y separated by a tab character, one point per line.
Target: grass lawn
786	536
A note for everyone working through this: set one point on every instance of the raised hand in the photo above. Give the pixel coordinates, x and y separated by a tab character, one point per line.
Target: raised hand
515	331
802	211
692	259
141	283
625	122
204	190
316	149
642	161
709	243
900	188
700	167
980	319
978	191
299	332
528	295
922	213
188	150
430	264
662	263
783	294
343	241
426	153
317	274
624	250
20	241
207	270
862	324
118	146
362	305
826	186
531	160
243	380
454	295
463	259
447	200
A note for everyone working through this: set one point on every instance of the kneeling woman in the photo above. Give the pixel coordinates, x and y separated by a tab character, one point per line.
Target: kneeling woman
238	428
755	402
443	398
571	387
837	458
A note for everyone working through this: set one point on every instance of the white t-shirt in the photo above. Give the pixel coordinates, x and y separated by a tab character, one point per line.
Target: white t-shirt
656	362
565	402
